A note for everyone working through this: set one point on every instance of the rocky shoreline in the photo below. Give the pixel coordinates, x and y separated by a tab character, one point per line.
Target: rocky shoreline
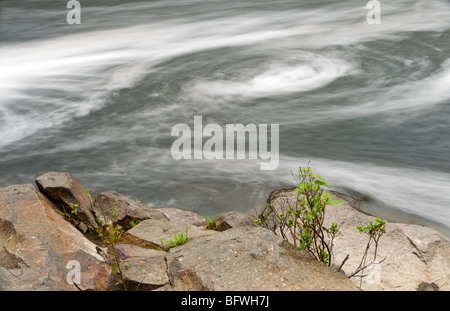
48	231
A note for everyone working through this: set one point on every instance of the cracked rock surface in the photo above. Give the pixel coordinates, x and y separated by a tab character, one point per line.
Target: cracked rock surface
37	244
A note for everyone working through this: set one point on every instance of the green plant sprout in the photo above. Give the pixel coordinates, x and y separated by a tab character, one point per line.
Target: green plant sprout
110	235
303	223
74	211
209	223
374	230
178	239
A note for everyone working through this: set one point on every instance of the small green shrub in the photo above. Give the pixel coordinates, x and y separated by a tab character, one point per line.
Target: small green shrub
209	223
110	235
303	222
74	211
178	239
374	230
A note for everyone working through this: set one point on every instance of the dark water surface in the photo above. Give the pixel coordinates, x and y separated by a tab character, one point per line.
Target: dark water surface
368	105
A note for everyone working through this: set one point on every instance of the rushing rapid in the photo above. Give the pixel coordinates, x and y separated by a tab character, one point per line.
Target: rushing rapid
367	105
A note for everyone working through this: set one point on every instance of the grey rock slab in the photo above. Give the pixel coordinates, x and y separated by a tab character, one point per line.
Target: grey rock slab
66	193
151	233
248	259
183	217
38	246
233	219
126	209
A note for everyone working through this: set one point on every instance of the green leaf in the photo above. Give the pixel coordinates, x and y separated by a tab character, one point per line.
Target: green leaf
320	183
304	185
289	211
88	193
320	177
114	212
114	267
334	202
334	229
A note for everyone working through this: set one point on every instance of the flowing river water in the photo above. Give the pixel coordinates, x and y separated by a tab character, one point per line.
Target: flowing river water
367	104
